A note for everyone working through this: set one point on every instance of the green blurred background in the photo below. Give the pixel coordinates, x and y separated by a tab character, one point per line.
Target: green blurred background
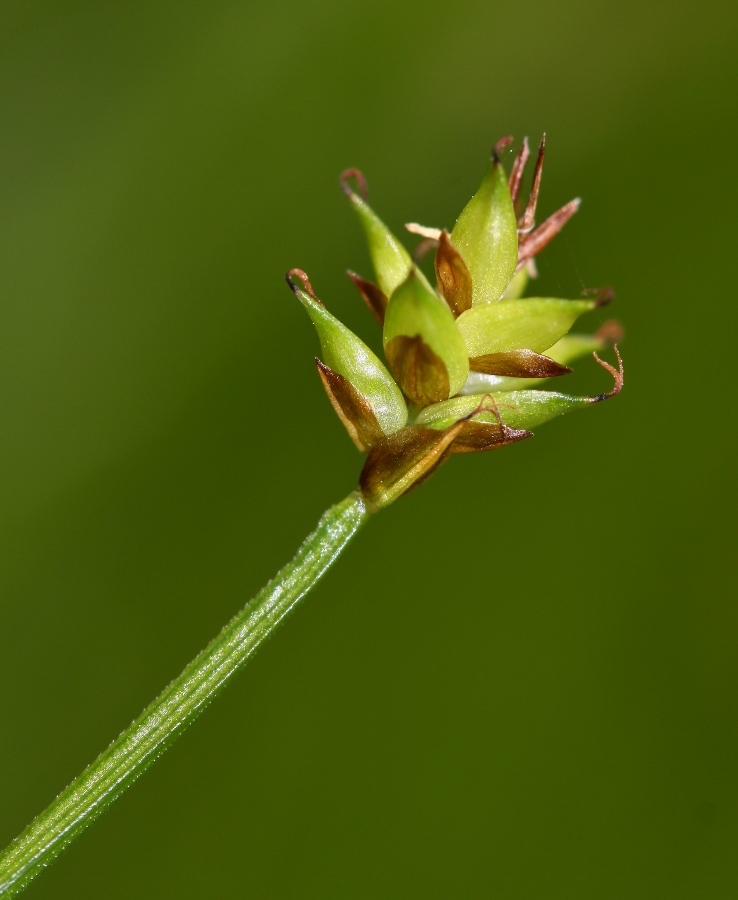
521	681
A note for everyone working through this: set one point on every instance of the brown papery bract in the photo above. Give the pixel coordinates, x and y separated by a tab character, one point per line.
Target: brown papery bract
454	280
403	461
518	364
373	296
419	371
352	408
480	437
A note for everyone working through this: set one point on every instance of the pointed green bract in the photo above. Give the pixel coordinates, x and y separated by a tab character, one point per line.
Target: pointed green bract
414	309
517	409
532	324
567	350
391	261
349	356
486	235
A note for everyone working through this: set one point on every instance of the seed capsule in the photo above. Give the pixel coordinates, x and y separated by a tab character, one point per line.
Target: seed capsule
349	356
486	236
391	261
535	324
424	349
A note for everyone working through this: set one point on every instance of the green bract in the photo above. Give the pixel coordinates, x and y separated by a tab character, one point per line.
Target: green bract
468	355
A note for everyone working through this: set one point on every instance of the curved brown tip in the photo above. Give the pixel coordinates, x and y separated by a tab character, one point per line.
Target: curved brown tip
298	273
611	332
604	296
500	146
360	183
617	375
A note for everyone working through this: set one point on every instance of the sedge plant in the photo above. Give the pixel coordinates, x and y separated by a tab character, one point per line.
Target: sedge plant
465	361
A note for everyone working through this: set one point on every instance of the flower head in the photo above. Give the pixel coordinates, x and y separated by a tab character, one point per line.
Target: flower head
464	358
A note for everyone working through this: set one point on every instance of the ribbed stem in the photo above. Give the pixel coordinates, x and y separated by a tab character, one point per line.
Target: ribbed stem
167	717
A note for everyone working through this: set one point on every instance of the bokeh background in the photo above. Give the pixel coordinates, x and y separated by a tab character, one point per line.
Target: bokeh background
521	681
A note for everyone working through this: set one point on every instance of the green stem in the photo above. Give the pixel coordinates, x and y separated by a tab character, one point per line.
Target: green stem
166	718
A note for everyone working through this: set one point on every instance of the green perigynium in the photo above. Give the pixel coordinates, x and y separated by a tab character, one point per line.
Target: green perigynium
466	358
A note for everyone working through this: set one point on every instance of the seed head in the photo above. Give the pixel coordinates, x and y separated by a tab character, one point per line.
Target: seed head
465	357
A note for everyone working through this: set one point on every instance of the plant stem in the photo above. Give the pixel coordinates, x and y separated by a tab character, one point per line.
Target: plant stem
161	723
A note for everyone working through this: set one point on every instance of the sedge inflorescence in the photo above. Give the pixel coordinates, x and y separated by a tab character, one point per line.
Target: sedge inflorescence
464	358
